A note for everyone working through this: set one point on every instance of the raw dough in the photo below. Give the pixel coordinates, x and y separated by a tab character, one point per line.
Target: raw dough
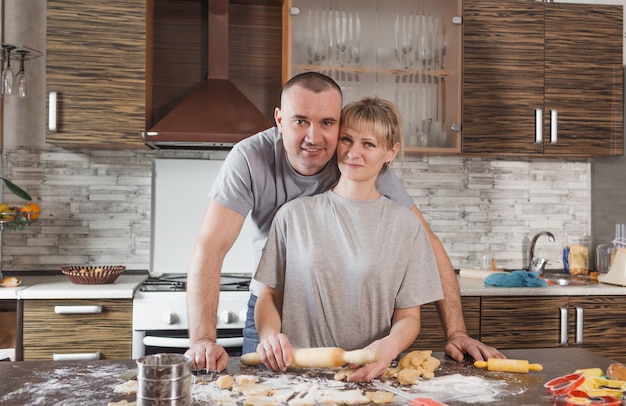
121	403
260	401
380	397
340	397
224	382
253	389
417	364
245	379
127	387
343	373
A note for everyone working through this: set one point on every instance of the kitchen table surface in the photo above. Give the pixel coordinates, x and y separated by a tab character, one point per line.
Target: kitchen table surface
93	382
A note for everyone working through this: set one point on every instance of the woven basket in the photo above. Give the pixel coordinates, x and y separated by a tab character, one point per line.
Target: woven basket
93	275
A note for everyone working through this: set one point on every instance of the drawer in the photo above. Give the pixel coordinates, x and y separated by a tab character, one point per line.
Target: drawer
77	327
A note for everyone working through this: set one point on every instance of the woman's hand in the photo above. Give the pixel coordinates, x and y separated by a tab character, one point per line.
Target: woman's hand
366	373
276	352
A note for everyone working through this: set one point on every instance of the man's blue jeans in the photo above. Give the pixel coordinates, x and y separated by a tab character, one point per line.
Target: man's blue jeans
250	335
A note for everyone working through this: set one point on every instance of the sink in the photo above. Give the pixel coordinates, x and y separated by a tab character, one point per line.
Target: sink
565	279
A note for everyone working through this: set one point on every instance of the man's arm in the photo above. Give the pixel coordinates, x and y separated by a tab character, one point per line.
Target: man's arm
220	228
450	310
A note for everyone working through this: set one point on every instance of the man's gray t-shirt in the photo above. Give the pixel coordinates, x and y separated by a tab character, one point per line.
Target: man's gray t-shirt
256	178
344	266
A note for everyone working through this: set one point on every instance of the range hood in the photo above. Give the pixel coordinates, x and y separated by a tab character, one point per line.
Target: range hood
217	113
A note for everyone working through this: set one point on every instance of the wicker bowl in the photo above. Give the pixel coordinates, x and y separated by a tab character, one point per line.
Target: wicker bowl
93	275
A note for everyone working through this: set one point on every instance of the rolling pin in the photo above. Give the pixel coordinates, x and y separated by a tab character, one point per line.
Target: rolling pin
321	357
508	365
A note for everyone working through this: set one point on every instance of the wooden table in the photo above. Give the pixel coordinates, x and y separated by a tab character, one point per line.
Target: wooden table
92	382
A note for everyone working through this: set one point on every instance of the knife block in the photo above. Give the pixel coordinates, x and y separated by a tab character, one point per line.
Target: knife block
617	272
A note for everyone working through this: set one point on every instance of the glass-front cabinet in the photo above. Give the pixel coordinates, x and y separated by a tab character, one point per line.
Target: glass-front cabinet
406	51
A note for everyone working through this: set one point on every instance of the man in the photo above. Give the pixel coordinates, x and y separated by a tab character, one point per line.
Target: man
261	173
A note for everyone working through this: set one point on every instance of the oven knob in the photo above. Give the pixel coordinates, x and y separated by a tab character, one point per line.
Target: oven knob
169	318
243	315
228	317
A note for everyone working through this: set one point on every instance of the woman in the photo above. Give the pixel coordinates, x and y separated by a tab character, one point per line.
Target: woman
347	268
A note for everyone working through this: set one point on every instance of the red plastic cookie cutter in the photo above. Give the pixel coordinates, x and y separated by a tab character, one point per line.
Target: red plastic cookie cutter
565	384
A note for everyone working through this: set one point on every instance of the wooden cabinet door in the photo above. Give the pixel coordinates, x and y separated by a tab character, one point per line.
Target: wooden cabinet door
523	321
584	79
432	337
503	80
96	62
598	324
573	71
47	331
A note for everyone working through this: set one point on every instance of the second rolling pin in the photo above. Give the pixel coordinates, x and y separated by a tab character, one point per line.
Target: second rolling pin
321	357
508	365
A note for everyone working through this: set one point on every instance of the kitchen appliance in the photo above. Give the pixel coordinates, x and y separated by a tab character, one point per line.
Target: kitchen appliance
617	272
180	190
216	113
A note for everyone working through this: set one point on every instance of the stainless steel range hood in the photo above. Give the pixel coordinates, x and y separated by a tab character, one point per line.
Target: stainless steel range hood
217	113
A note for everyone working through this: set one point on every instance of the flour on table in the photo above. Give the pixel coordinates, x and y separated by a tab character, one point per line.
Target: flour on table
460	388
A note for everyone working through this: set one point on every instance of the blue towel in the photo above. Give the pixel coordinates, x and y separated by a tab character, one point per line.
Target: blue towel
514	279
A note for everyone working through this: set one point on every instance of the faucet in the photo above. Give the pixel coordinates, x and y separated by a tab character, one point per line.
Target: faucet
537	265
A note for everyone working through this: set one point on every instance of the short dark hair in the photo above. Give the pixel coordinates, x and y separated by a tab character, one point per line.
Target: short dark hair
313	81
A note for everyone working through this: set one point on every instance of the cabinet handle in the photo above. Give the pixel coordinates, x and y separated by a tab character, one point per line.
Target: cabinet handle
538	126
554	124
563	319
77	309
579	325
80	356
52	111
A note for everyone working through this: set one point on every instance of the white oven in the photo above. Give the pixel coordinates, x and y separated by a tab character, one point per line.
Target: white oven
180	190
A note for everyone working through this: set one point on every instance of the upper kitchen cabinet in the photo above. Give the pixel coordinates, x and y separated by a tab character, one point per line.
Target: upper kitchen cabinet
406	51
96	73
542	78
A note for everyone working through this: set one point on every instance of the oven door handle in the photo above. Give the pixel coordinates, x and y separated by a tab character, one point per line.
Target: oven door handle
173	342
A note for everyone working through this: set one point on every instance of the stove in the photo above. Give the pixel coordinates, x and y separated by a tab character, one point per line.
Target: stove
160	314
160	305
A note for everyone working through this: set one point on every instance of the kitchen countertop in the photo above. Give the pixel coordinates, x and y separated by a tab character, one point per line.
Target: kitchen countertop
476	287
93	382
59	287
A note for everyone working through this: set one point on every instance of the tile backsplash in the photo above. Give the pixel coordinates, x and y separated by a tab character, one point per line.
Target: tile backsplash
96	205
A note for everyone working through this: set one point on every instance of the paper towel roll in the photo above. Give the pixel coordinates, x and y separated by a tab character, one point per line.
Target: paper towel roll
475	273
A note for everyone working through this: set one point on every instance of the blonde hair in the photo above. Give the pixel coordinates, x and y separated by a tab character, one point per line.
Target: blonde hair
375	116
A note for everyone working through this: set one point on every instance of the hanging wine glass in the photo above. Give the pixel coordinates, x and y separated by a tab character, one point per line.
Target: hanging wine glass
7	76
21	85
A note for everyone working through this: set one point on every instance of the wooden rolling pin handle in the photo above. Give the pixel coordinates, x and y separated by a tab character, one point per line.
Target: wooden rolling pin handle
360	357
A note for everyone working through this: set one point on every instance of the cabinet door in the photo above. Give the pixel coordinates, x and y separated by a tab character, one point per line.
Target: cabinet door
406	51
572	76
523	321
584	79
48	331
432	337
95	57
598	324
502	76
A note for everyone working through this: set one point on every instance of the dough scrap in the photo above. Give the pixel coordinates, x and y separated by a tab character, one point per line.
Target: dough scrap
343	373
261	400
380	397
245	379
127	387
122	403
224	382
419	363
253	389
339	397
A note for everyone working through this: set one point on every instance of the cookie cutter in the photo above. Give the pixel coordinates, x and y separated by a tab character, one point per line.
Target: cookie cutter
203	375
565	384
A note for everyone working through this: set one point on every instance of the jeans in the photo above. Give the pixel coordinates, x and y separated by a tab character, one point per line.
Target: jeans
250	335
